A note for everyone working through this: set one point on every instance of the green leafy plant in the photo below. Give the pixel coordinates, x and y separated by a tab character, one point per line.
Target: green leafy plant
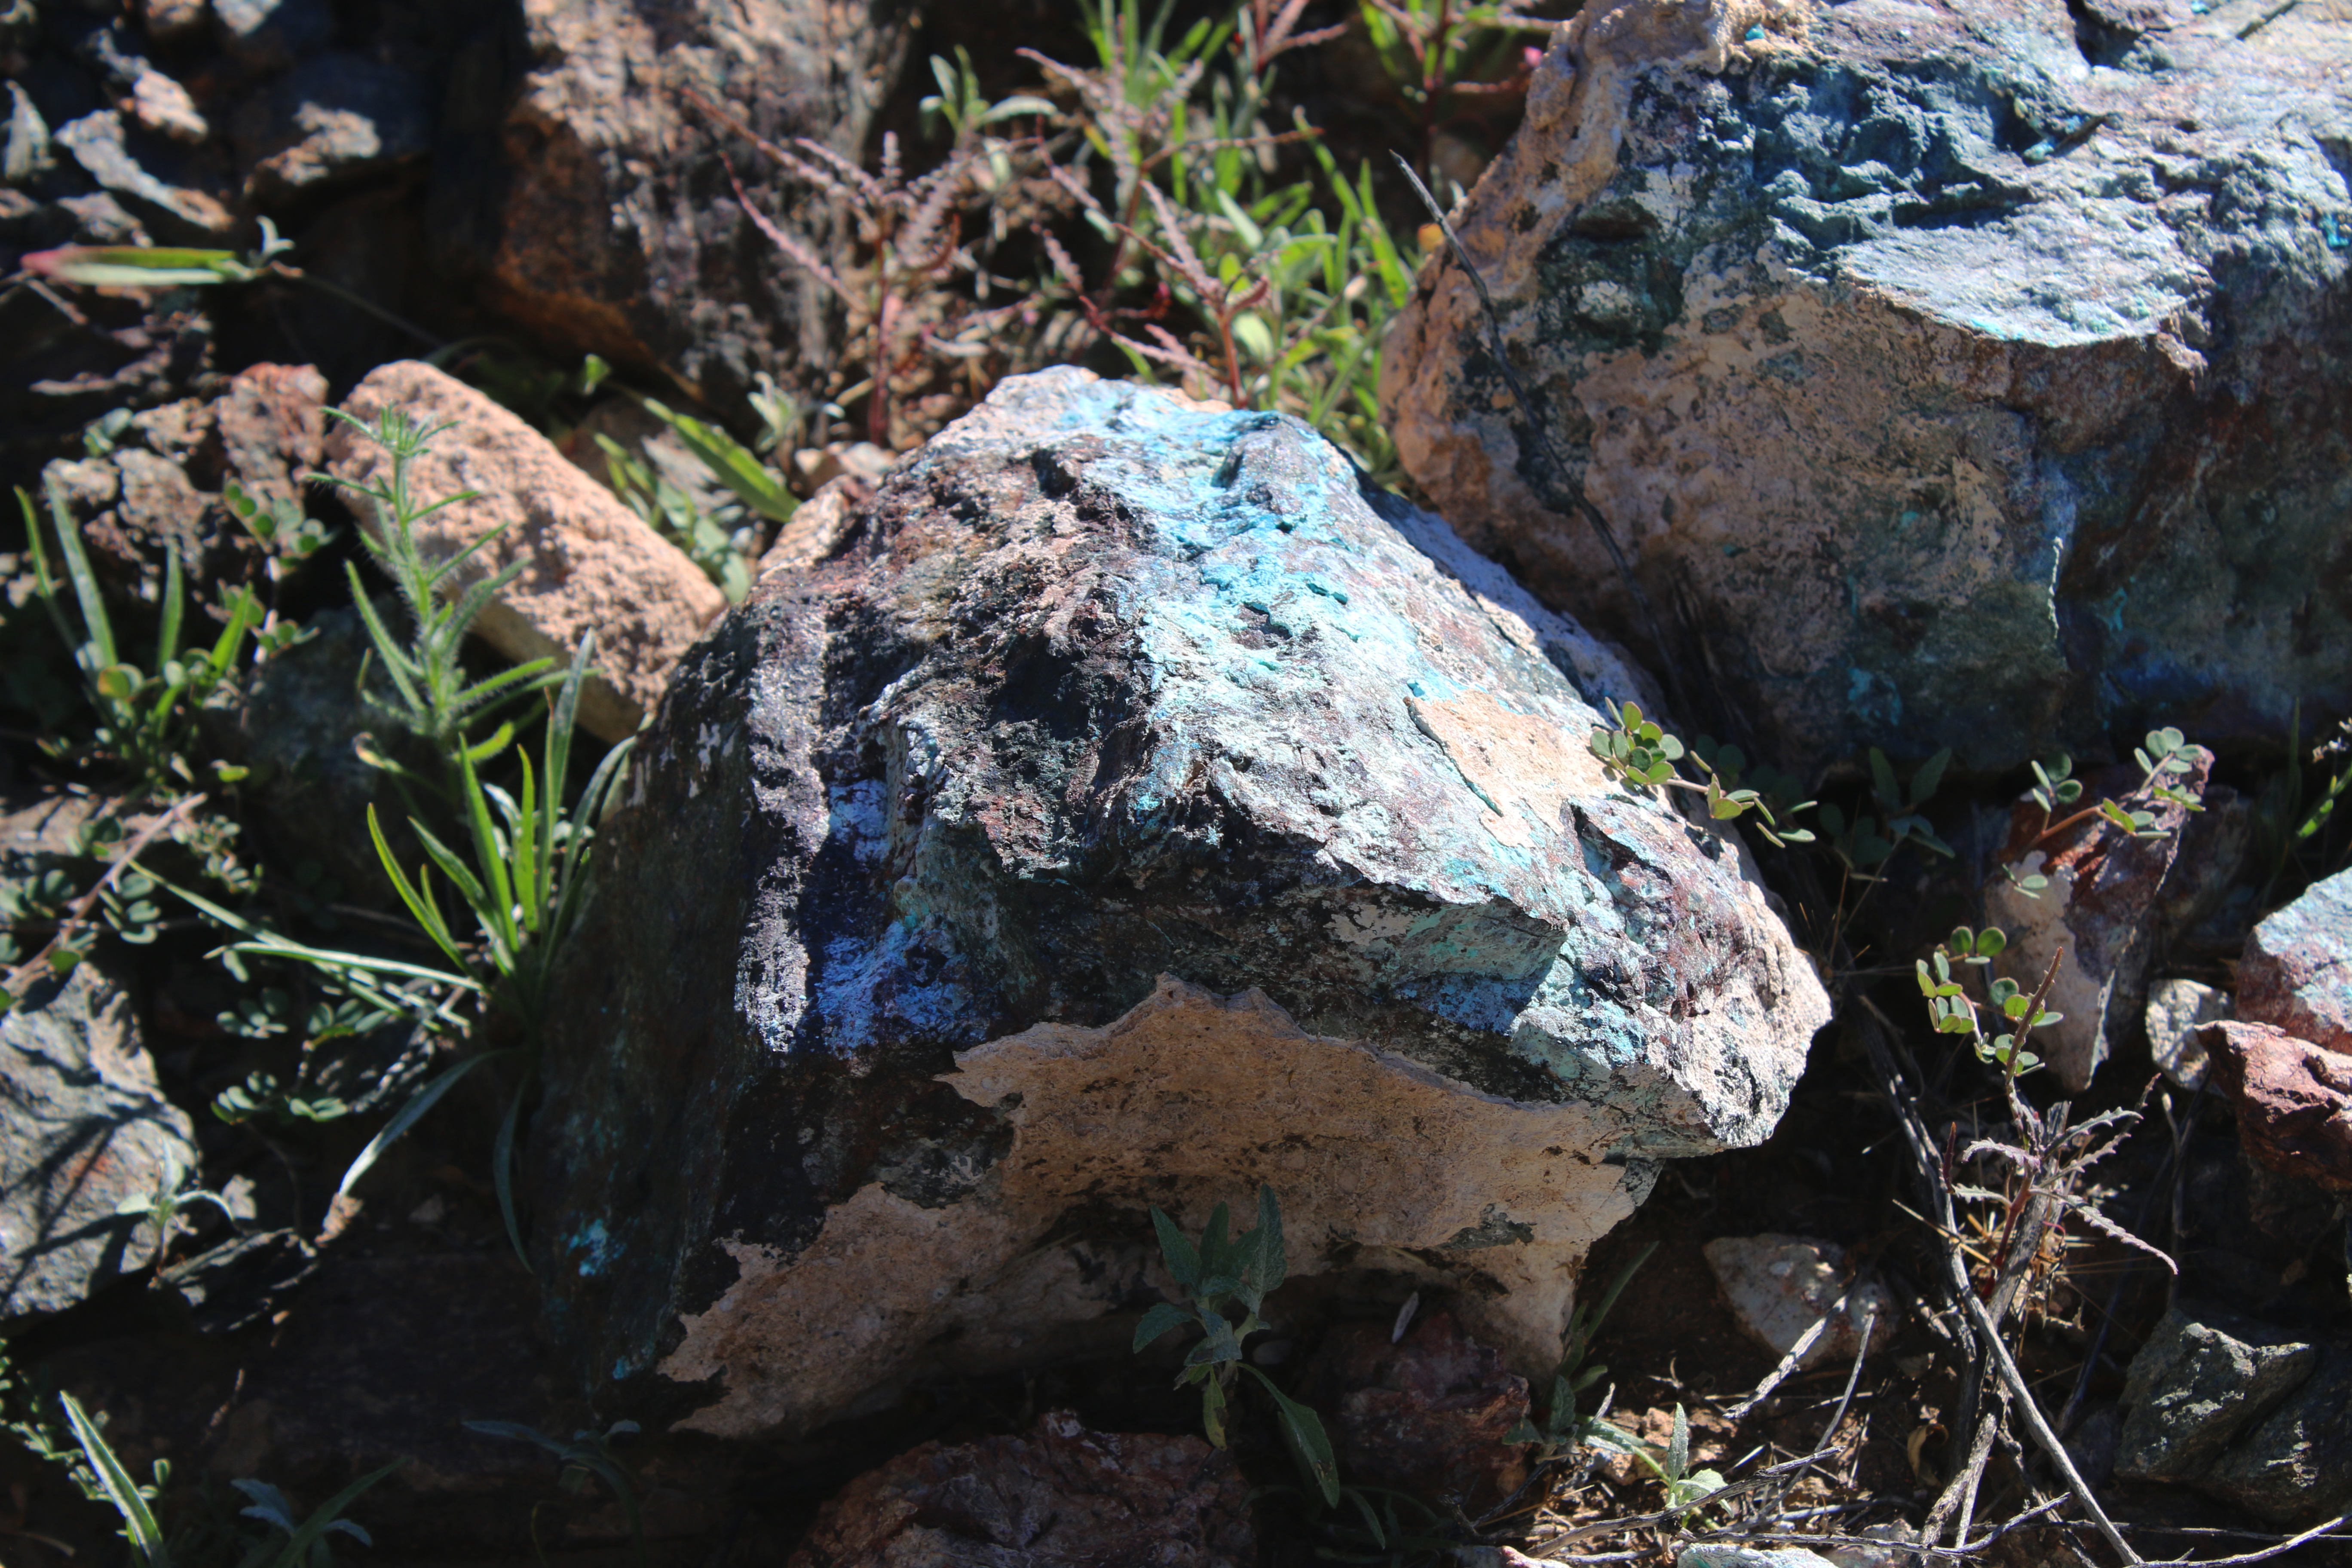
1684	1487
1564	1429
114	1483
1632	749
1222	1272
436	701
2014	1013
172	1193
303	1544
2162	757
1443	55
2293	833
144	715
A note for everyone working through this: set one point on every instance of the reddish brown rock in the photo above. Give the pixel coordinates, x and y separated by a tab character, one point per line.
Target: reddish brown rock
591	562
2297	969
2294	1099
1426	1415
1062	1497
598	214
272	424
2106	894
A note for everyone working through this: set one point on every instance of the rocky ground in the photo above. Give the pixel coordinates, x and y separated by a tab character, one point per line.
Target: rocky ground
1011	801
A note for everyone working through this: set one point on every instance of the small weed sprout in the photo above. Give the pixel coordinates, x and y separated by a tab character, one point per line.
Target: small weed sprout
1220	1272
172	1195
145	717
437	702
1564	1429
1953	1011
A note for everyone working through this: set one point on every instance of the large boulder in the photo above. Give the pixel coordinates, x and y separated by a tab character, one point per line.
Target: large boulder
596	210
1976	372
1125	806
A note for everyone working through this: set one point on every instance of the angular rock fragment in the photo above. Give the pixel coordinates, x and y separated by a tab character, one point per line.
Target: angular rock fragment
1124	808
2242	1411
1955	358
2294	1099
594	563
2202	1378
2176	1010
83	1131
2297	969
331	120
1781	1287
1427	1414
2096	916
1062	1497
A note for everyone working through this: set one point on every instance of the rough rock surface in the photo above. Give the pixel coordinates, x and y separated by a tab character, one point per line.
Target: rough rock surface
606	224
2297	969
2294	1099
1977	373
1427	1414
2295	1467
2177	1011
83	1129
1062	1496
1130	807
594	563
157	491
2098	917
2244	1411
332	119
2200	1380
1780	1285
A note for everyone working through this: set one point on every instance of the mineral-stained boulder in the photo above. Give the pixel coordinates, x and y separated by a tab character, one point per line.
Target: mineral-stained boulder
2297	970
1126	808
593	563
1062	1497
1975	370
598	214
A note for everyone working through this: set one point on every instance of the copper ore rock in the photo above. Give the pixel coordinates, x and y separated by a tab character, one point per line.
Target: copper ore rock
1123	805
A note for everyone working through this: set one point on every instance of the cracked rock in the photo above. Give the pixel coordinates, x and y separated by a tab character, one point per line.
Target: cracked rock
1124	806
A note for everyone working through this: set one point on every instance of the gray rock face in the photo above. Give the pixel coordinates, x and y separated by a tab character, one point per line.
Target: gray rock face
83	1128
2296	974
2242	1411
2197	1384
606	224
1124	807
1976	372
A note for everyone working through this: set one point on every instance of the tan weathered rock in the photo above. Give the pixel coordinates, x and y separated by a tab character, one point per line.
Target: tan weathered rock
1779	1287
591	562
1949	359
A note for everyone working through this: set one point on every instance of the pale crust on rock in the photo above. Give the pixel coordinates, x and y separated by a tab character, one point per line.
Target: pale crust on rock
1189	1092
